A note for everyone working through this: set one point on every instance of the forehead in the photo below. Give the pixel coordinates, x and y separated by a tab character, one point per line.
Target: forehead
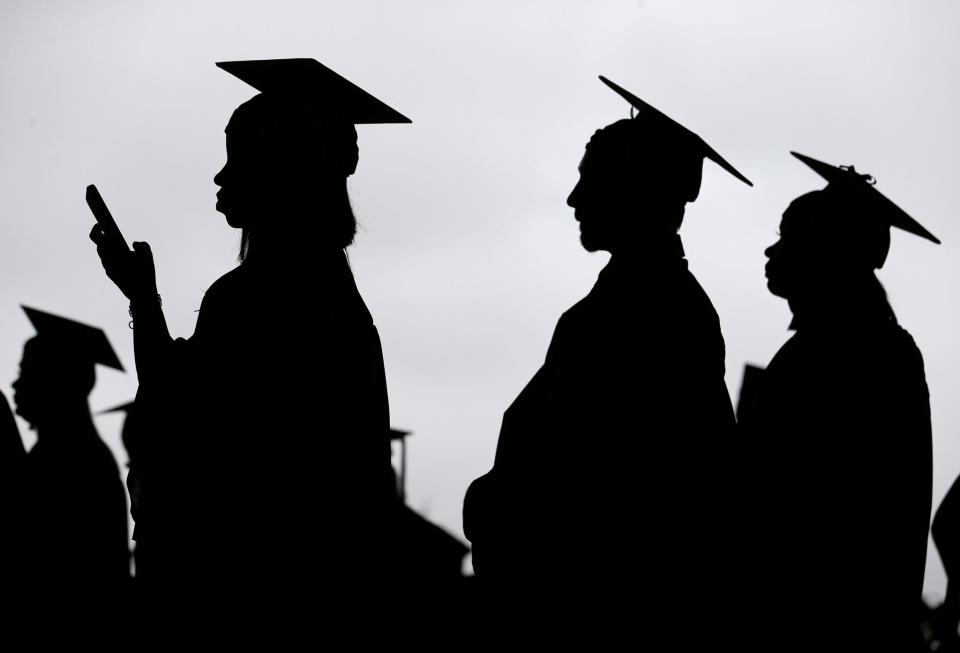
789	219
248	133
29	349
584	161
800	226
804	211
608	158
36	354
253	120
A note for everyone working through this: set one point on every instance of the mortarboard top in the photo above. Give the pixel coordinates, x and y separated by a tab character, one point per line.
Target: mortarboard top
697	144
397	434
310	82
83	340
847	177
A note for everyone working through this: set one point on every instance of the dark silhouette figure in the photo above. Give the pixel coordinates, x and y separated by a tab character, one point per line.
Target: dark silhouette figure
425	555
12	464
13	451
945	530
70	522
264	453
130	437
602	492
837	435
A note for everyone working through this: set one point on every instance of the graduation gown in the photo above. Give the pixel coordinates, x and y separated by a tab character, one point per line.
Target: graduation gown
838	444
74	519
268	463
606	467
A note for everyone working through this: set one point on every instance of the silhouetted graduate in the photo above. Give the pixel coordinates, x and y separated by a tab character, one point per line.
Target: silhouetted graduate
129	436
946	536
838	435
267	463
12	459
604	479
428	558
73	511
11	444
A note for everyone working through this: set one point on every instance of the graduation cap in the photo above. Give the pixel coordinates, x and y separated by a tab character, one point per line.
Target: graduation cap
82	341
862	189
128	435
675	133
309	83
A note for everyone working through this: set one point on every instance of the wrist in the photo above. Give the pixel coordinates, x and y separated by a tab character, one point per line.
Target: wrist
144	296
142	302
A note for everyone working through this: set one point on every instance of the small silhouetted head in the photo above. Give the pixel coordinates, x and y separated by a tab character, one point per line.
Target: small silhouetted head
834	236
291	148
57	367
636	177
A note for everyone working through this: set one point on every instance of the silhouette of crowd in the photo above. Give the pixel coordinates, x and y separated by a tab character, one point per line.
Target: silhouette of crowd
627	496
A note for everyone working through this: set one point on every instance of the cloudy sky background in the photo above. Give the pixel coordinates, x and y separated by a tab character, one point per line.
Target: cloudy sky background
468	253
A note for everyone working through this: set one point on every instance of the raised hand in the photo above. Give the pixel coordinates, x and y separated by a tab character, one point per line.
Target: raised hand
133	272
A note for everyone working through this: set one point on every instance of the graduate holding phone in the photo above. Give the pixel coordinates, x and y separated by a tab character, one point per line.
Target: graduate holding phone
265	444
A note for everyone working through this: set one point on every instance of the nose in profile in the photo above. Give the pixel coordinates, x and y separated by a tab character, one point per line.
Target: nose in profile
770	251
572	198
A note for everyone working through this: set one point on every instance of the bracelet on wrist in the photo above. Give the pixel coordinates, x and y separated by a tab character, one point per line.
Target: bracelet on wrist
130	310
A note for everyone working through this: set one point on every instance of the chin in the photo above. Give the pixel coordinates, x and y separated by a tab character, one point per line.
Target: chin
589	240
775	289
592	244
234	221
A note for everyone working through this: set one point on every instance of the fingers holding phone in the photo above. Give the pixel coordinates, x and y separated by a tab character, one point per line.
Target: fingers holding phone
133	272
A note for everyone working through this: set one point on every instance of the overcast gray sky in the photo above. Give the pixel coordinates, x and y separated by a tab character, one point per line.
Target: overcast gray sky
468	253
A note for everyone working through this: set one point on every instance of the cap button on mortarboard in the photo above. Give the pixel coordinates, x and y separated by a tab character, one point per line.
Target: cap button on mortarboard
683	136
881	208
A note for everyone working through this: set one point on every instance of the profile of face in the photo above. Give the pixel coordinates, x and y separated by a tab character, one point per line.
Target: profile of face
247	185
50	378
807	258
280	162
605	203
785	261
27	394
635	181
829	242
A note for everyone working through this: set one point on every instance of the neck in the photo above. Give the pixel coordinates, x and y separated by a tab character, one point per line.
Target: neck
665	247
841	302
71	421
286	249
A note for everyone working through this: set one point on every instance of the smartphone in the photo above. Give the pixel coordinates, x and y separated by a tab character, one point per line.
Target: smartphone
104	219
